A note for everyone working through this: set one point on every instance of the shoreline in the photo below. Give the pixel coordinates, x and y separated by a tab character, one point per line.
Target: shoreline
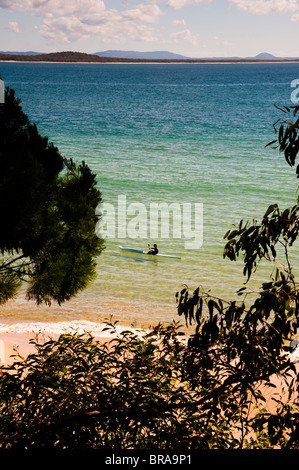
19	342
152	62
18	333
12	344
85	57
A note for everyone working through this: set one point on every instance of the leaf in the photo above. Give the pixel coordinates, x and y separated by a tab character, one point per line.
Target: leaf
280	134
273	251
270	209
199	311
280	109
267	285
271	143
232	234
225	236
241	290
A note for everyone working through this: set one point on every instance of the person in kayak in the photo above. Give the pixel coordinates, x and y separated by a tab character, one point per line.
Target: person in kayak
154	250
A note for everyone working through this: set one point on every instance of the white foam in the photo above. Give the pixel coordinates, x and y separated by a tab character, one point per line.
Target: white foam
56	328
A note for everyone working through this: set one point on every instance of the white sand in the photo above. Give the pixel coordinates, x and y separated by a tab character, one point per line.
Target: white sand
20	342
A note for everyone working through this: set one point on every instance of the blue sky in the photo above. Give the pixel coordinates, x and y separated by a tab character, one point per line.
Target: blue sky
195	28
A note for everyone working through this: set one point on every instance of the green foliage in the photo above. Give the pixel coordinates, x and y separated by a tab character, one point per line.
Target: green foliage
260	241
287	134
130	393
47	206
243	347
151	391
9	285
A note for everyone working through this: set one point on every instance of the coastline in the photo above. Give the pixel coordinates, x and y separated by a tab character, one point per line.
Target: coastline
10	344
85	58
145	62
14	342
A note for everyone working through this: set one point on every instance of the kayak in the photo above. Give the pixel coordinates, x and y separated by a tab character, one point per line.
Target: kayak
133	250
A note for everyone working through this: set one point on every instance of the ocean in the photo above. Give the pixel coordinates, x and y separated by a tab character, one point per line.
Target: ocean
188	138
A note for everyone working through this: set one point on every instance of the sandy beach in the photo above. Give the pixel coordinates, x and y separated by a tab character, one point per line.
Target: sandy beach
12	343
8	344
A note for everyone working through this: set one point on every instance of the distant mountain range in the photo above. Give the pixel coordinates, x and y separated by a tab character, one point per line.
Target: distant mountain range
20	53
165	55
155	55
124	56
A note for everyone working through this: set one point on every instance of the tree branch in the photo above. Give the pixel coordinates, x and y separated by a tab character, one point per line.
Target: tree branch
5	266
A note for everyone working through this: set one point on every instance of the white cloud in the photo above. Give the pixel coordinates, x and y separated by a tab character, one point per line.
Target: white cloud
265	7
66	30
144	13
178	4
68	20
58	7
179	22
185	36
227	43
14	26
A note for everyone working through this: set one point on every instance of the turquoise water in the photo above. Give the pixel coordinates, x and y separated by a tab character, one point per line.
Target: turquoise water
183	134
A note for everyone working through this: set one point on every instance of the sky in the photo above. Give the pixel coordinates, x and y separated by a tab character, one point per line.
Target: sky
193	28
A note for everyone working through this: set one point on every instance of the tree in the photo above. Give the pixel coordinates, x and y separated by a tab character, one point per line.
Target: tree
47	207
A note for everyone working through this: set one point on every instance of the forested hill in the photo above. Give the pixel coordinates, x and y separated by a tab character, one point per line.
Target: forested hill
67	56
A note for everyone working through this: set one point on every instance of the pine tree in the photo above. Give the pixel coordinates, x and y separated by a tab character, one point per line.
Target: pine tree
47	211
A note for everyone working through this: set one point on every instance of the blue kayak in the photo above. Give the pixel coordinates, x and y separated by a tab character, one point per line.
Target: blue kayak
133	250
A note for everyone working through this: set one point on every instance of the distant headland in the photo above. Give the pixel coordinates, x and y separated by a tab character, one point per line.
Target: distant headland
133	57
